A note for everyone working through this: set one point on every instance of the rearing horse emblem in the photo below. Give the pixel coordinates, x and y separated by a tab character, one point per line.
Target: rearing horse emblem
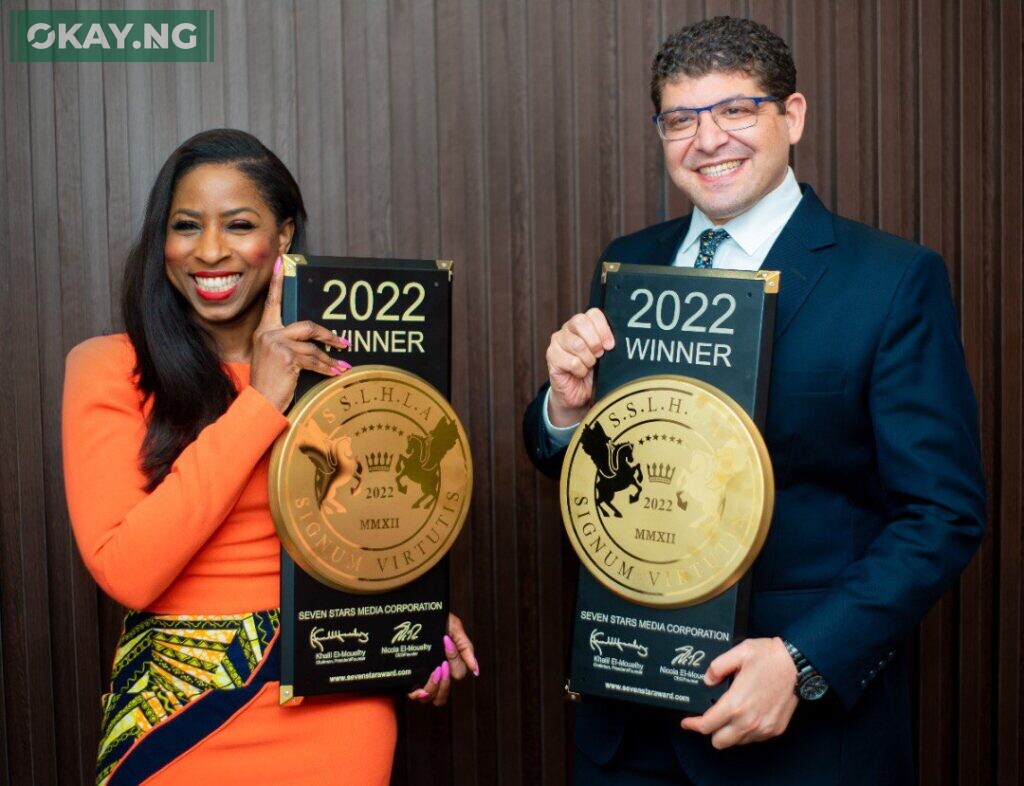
421	462
335	465
616	467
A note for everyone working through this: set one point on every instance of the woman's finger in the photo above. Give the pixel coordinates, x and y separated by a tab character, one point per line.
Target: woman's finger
307	330
305	356
462	643
443	685
272	307
430	689
426	694
310	350
453	659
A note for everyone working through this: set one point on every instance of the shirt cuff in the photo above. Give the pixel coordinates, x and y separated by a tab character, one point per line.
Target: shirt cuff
558	437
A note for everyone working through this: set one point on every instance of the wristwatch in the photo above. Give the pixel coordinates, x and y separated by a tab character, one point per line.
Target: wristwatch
810	686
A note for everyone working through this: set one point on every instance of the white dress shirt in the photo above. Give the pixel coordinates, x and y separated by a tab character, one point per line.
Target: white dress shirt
751	236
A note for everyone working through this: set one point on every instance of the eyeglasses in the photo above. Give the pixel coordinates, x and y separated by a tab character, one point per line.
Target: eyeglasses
733	114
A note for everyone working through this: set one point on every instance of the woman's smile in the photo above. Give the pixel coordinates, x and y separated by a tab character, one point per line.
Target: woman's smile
216	286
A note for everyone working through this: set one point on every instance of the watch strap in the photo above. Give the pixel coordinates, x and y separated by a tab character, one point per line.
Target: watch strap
810	685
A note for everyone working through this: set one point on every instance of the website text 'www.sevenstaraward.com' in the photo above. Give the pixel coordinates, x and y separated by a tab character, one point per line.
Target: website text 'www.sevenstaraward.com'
638	690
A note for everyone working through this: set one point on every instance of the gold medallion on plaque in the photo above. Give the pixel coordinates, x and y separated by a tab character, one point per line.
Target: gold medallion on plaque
667	491
371	484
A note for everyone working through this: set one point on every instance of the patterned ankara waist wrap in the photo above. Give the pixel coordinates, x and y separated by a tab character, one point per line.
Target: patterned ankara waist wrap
168	663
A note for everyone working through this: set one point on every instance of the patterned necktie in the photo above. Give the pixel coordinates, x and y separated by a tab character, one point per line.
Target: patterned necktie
710	240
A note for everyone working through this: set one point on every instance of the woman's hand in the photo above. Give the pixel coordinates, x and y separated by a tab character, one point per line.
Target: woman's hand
280	352
459	661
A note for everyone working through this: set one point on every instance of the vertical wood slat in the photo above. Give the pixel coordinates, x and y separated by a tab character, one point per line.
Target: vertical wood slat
63	272
461	107
937	637
975	258
24	680
310	108
211	81
328	155
504	117
551	123
233	60
514	138
27	692
1009	504
814	157
8	566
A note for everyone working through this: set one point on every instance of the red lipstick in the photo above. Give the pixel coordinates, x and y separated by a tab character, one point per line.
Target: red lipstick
217	294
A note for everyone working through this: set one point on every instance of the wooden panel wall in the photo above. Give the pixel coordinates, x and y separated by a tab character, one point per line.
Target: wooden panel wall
511	136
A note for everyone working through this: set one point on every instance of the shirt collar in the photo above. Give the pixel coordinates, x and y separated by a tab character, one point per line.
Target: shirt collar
762	222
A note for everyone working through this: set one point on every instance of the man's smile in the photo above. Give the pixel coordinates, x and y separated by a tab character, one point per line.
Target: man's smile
720	169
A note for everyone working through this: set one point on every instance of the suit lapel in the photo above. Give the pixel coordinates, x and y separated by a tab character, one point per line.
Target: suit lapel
793	254
668	240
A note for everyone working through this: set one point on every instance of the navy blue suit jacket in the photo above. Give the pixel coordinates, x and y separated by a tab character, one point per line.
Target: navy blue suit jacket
880	501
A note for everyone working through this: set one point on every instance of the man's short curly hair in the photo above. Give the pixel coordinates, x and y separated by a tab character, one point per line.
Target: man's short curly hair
725	44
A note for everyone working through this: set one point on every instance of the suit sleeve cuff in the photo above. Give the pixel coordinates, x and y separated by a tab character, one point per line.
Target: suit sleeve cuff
558	437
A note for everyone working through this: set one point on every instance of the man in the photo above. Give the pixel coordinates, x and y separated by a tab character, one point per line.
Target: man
871	425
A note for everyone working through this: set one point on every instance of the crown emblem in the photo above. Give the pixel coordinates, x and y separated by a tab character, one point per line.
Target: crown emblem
379	461
660	473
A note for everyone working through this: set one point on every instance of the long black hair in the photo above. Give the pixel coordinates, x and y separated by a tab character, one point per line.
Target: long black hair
177	363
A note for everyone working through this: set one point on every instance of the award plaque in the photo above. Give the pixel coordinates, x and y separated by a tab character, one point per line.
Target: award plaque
667	489
371	483
342	475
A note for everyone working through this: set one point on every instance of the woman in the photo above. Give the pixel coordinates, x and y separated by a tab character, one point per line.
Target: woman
166	436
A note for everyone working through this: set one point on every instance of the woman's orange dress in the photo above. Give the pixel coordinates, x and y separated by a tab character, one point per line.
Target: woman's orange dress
202	544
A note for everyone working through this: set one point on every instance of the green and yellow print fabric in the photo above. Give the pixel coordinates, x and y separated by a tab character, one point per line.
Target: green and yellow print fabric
165	662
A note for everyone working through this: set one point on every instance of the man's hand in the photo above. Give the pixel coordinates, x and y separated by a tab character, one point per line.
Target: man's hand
572	355
760	702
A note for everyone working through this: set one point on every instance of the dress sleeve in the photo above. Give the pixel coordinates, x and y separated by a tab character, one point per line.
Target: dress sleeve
136	543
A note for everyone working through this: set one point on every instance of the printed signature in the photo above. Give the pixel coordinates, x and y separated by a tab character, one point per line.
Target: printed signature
318	636
598	641
406	631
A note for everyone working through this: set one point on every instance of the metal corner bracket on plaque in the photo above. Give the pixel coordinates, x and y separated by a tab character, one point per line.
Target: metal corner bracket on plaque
287	698
771	278
291	263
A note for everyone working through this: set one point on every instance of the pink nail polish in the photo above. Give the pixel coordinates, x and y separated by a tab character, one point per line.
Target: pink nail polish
342	365
277	266
446	670
476	672
345	343
436	675
449	645
421	694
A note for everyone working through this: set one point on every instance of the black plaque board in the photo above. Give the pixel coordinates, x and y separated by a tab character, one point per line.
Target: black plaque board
394	312
715	326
